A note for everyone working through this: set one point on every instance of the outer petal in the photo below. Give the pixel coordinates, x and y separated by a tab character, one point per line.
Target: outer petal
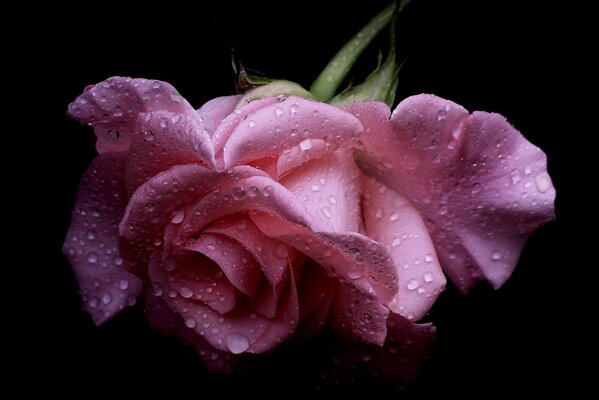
272	129
91	244
214	111
480	186
163	140
392	220
114	105
328	188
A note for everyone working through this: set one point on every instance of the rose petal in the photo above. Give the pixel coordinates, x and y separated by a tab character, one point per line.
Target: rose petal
161	201
390	219
235	261
296	155
163	140
162	319
240	330
328	188
272	256
270	130
316	293
114	105
358	315
480	186
91	244
193	276
214	111
350	256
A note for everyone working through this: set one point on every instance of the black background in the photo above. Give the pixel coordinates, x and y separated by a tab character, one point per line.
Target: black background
493	56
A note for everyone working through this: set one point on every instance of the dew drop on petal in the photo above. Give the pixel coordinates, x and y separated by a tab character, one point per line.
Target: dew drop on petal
412	284
185	292
306	144
428	277
92	257
190	322
237	343
123	284
178	217
495	255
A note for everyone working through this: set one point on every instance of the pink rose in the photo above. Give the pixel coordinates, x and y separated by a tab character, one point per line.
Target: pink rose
286	216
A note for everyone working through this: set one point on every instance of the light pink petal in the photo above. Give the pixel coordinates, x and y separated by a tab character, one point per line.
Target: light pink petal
270	130
193	276
91	244
390	219
296	155
255	193
358	315
480	186
329	189
237	116
350	256
162	200
163	140
114	105
236	262
272	255
214	111
237	331
162	319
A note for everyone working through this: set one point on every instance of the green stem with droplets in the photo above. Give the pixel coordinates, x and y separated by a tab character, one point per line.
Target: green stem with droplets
326	84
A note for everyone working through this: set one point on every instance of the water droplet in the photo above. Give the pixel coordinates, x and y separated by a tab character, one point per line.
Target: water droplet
237	343
428	277
149	207
394	217
281	251
91	235
156	85
93	302
332	199
278	111
157	242
379	213
315	188
515	176
190	323
267	191
326	212
118	112
354	274
92	257
211	247
178	217
123	284
429	258
252	191
528	170
543	183
413	284
306	144
106	298
252	124
527	184
396	242
495	255
452	256
238	193
293	109
441	115
185	292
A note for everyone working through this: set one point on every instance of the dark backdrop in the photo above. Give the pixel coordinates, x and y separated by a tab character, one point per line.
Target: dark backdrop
493	56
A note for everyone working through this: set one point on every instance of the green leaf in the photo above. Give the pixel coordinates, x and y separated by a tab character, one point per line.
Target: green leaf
275	88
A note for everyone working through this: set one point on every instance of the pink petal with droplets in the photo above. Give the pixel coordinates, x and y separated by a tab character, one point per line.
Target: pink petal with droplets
113	108
329	189
163	140
316	292
271	129
479	184
214	111
236	262
390	219
91	244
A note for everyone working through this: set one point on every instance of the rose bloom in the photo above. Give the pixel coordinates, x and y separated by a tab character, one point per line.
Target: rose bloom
243	224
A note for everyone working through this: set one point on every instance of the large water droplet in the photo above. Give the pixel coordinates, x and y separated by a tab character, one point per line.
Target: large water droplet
123	284
495	255
267	191
413	284
278	111
237	343
190	323
185	292
306	144
428	277
355	274
252	124
238	193
315	188
92	257
543	183
178	217
394	217
396	242
106	298
429	258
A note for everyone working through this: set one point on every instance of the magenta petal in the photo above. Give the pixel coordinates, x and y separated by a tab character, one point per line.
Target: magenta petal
214	111
91	244
328	187
114	105
163	140
481	187
270	130
392	220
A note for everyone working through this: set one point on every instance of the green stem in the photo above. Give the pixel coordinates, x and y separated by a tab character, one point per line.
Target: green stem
326	84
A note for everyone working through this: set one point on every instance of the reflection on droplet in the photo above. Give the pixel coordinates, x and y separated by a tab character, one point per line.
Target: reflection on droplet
306	144
495	255
396	242
394	217
149	136
428	258
267	191
92	257
412	284
185	292
190	322
428	277
326	212
178	217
